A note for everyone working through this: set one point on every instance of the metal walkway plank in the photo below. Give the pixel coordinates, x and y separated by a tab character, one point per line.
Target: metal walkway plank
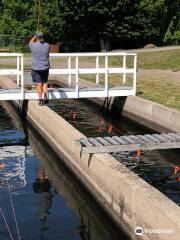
111	140
128	139
63	93
145	139
152	138
161	138
110	149
119	140
131	143
167	136
85	142
176	136
103	141
138	139
94	142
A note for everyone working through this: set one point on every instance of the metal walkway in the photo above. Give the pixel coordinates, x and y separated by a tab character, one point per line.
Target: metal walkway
101	69
61	93
130	143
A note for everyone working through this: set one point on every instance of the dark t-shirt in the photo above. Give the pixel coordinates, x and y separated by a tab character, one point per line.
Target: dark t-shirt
40	55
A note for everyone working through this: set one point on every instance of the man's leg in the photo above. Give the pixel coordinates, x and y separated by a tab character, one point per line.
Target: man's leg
45	89
39	89
45	85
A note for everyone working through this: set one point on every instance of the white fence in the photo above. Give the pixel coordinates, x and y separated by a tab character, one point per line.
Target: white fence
73	68
105	68
18	71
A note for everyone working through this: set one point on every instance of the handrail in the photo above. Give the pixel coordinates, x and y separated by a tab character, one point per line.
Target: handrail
94	54
75	69
11	55
18	71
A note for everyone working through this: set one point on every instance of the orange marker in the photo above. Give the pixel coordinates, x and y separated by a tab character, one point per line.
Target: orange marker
100	129
74	115
2	166
110	129
102	122
176	169
138	153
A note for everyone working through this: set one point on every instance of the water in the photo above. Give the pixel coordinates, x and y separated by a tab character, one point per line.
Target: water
155	167
49	203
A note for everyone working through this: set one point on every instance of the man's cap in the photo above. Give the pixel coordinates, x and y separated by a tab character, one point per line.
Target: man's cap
39	34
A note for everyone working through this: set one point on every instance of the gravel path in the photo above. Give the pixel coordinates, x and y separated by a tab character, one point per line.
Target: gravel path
160	74
155	49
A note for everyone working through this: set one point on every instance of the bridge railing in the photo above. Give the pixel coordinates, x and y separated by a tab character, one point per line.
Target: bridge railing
106	67
103	65
17	69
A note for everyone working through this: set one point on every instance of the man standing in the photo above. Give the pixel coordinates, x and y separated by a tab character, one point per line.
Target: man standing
40	65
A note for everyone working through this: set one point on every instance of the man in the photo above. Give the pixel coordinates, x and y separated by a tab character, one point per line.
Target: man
40	65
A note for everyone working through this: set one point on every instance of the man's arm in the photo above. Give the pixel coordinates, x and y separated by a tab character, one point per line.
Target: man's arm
33	39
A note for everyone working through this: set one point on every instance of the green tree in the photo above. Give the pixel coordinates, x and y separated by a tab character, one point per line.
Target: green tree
162	17
19	18
50	20
98	23
91	25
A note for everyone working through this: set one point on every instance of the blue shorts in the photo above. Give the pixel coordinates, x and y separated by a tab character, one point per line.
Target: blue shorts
40	76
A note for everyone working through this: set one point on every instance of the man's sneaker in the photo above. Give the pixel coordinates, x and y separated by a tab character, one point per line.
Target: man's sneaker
41	103
45	98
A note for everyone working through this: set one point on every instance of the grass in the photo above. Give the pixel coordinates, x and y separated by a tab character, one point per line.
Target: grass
154	60
159	90
13	66
166	60
160	60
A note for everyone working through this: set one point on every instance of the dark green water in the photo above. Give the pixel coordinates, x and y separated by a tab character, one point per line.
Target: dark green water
155	167
49	203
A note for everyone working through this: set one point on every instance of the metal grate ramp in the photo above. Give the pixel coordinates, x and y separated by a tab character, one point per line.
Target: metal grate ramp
130	143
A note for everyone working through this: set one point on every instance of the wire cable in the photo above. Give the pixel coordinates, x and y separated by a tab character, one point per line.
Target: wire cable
39	16
13	209
9	231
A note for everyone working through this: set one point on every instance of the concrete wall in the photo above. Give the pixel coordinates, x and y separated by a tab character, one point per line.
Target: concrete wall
129	200
154	113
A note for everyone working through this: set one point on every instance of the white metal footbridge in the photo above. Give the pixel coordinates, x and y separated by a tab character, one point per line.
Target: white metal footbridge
102	68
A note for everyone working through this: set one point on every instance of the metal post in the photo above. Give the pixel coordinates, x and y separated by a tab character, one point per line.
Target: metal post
77	77
17	71
124	69
134	74
97	68
69	67
106	75
22	76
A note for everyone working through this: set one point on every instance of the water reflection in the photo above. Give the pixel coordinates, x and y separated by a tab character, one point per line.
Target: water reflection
66	220
83	230
42	189
14	159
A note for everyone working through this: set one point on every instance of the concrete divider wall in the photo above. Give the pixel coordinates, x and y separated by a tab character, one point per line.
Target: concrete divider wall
155	113
127	198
